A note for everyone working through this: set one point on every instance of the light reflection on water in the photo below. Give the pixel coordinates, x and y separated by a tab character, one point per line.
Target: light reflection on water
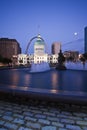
15	78
53	80
54	77
27	79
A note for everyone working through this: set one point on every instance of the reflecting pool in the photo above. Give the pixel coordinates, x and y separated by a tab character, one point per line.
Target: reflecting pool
53	80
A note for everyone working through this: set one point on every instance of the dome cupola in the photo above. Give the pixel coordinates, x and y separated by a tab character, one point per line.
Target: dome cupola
39	40
39	45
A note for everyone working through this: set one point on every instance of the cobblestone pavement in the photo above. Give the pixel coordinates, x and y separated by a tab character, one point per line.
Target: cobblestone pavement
41	115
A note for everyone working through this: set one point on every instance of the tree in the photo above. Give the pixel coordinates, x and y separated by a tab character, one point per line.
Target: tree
1	58
5	60
61	60
21	61
85	56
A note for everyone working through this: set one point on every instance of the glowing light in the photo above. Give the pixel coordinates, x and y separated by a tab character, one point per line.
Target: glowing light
75	33
54	91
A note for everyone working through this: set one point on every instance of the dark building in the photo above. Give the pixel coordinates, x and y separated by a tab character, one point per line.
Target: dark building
85	38
9	47
71	54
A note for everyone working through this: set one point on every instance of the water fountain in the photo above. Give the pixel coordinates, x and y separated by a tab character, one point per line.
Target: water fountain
40	67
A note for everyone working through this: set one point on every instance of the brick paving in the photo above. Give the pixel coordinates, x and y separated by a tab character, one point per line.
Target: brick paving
41	115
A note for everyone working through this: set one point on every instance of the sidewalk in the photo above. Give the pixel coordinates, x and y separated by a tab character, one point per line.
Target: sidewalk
27	114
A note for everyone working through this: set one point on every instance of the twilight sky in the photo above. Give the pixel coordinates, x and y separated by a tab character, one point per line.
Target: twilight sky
57	20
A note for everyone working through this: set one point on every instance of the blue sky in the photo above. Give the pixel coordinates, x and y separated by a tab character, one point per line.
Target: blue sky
58	20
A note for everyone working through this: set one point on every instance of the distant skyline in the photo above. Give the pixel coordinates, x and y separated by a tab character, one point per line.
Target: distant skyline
56	20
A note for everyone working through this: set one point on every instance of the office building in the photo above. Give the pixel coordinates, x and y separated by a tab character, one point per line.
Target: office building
56	47
9	47
85	38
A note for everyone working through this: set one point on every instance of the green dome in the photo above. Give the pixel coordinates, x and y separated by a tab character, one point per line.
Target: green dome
39	41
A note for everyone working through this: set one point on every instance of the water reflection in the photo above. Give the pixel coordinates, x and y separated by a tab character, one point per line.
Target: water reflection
54	79
15	78
13	86
27	79
54	91
19	78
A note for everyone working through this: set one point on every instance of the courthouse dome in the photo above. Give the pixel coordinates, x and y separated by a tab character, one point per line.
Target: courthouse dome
39	40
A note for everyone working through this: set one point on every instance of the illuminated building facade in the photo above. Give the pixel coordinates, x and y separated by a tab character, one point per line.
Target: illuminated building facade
39	55
39	50
39	46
